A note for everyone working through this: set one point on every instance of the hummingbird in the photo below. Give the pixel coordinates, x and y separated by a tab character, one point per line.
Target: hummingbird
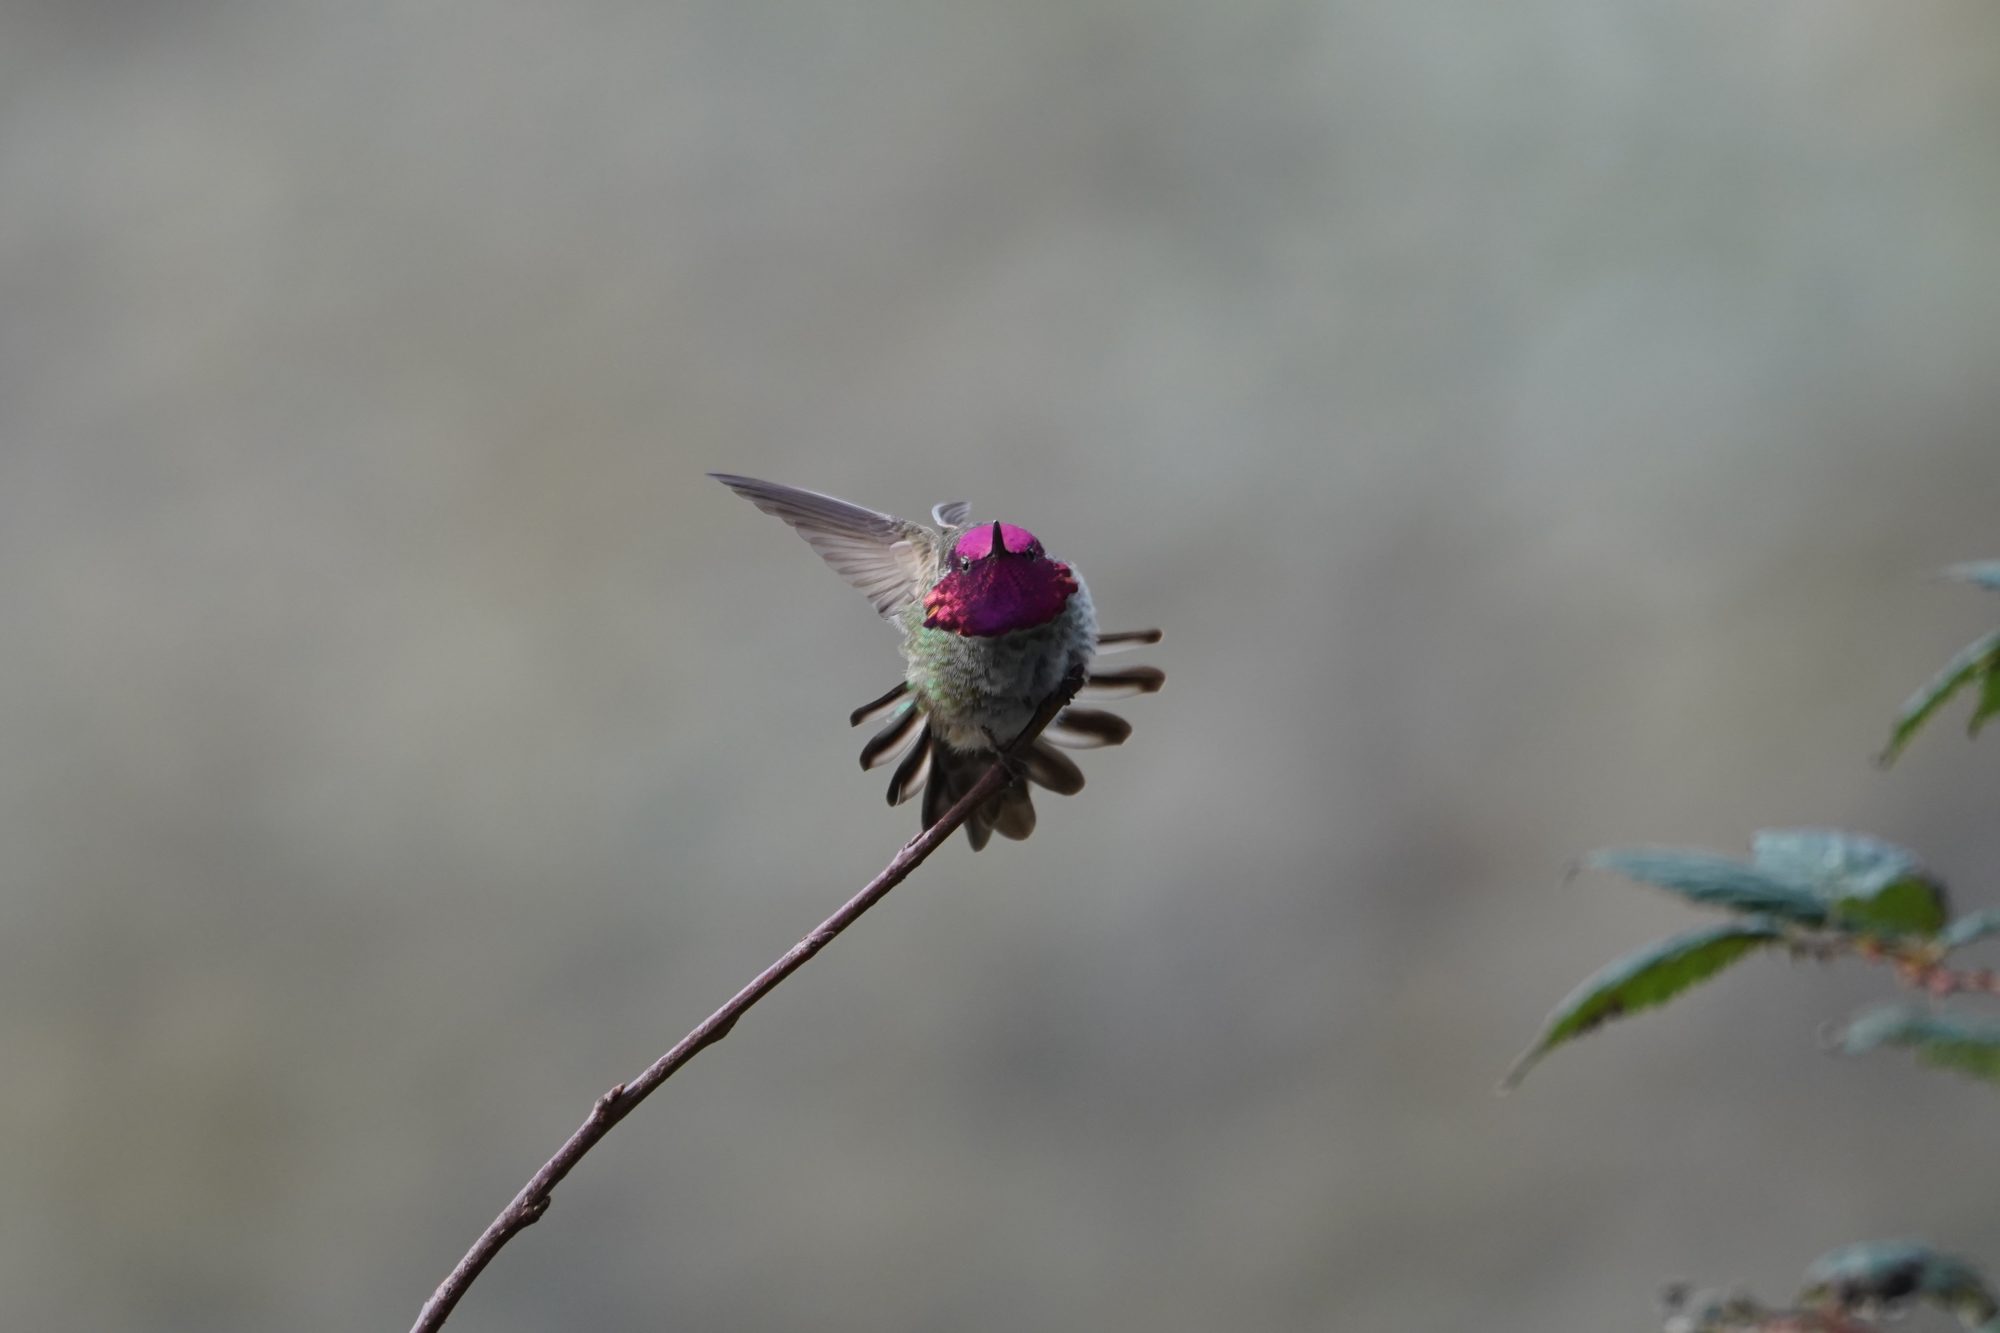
991	626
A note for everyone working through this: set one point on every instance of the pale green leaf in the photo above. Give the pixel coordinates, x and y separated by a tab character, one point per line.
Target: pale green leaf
1868	886
1641	980
1976	661
1886	1274
1970	927
1985	573
1716	881
1989	702
1943	1040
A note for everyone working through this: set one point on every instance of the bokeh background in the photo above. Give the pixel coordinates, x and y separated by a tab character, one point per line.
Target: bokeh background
1533	425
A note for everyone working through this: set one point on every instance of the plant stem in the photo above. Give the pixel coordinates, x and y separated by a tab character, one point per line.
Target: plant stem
533	1199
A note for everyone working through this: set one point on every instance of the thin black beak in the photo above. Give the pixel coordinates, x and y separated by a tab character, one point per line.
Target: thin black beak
999	542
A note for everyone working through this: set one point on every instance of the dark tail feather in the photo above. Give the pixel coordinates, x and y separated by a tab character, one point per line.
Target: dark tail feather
941	791
892	737
875	707
1010	812
1088	729
945	774
1124	639
911	773
1132	680
1051	768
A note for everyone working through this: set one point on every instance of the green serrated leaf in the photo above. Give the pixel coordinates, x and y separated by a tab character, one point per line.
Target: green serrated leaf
1989	702
1915	905
1868	886
1715	881
1985	573
1641	980
1939	1039
1973	926
1886	1273
1977	660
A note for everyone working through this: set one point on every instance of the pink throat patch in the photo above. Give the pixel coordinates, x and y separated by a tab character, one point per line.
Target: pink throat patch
997	597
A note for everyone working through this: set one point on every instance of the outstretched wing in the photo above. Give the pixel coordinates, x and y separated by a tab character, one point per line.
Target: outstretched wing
887	558
952	514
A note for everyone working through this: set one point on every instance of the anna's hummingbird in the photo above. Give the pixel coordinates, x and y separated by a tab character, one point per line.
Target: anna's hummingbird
991	626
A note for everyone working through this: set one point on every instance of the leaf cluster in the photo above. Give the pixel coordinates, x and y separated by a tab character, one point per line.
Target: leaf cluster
1819	893
1812	892
1853	1289
1824	894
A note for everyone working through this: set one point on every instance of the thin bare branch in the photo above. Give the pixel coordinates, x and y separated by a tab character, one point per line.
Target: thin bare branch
533	1200
1919	964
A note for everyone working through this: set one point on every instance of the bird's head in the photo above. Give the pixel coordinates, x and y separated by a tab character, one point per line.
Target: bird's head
997	579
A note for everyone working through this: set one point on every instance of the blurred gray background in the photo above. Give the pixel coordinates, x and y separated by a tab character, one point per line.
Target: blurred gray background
1533	425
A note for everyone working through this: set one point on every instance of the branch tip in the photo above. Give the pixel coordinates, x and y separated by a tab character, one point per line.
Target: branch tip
528	1207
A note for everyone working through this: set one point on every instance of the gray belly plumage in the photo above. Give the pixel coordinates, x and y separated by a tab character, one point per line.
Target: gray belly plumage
982	691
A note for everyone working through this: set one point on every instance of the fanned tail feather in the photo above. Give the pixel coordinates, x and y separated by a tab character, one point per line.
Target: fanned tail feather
876	707
1010	812
1123	640
1088	729
1131	680
944	774
1051	768
953	774
891	738
911	774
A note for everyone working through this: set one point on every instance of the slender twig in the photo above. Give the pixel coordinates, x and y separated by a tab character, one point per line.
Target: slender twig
533	1200
1919	966
1941	980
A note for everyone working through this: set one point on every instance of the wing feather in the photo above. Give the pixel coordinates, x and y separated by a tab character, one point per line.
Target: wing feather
884	556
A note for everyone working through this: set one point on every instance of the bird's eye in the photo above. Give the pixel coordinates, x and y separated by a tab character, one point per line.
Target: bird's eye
965	562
